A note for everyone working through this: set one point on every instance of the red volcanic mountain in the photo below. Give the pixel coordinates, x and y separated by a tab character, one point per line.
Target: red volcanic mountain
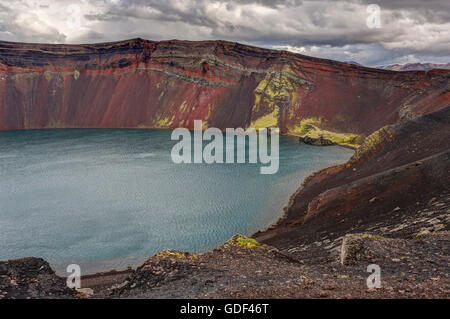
146	84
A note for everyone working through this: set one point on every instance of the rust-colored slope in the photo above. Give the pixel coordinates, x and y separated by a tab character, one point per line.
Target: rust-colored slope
399	170
145	84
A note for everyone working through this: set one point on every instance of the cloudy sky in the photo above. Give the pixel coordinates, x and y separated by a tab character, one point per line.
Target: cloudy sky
408	30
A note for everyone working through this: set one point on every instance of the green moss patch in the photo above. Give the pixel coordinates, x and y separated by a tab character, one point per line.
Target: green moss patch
372	142
310	127
176	254
247	242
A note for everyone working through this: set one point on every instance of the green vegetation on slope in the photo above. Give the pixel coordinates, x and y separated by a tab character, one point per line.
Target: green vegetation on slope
309	127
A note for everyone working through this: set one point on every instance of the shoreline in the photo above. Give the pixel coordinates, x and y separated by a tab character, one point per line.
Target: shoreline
108	272
155	128
337	144
292	198
96	276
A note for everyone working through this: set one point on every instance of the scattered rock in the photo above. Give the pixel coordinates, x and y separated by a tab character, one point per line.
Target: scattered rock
353	248
86	291
32	278
318	141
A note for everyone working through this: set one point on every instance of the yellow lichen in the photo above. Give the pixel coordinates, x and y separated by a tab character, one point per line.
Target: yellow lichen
247	242
405	113
176	254
169	253
48	75
204	125
276	87
25	76
309	127
161	94
373	141
208	60
304	126
269	120
163	122
275	92
183	107
205	120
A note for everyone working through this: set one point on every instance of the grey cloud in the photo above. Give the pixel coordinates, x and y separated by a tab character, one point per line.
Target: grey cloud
410	29
436	11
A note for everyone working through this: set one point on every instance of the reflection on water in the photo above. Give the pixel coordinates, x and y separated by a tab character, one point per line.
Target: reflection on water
111	198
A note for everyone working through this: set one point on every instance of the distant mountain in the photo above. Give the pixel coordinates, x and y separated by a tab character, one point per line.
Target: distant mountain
415	67
353	62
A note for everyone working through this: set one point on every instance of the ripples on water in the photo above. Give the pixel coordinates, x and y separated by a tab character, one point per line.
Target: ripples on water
111	198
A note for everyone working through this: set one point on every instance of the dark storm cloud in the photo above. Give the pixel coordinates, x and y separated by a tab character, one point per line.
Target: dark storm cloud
410	30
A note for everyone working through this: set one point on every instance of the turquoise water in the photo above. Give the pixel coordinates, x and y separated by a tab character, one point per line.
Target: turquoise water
111	198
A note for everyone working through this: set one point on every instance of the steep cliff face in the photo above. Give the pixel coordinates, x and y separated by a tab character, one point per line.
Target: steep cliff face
144	84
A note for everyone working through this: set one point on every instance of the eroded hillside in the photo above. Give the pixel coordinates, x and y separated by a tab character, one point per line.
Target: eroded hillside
145	84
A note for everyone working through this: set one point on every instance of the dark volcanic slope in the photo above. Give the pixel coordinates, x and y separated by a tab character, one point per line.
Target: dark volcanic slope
397	173
31	278
140	83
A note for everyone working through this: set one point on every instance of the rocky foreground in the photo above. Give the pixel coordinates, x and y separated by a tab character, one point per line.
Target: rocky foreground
243	268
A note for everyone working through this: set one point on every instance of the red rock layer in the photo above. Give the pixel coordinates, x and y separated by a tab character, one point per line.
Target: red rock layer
145	84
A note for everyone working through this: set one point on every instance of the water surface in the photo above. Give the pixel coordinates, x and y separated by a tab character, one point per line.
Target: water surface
111	198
